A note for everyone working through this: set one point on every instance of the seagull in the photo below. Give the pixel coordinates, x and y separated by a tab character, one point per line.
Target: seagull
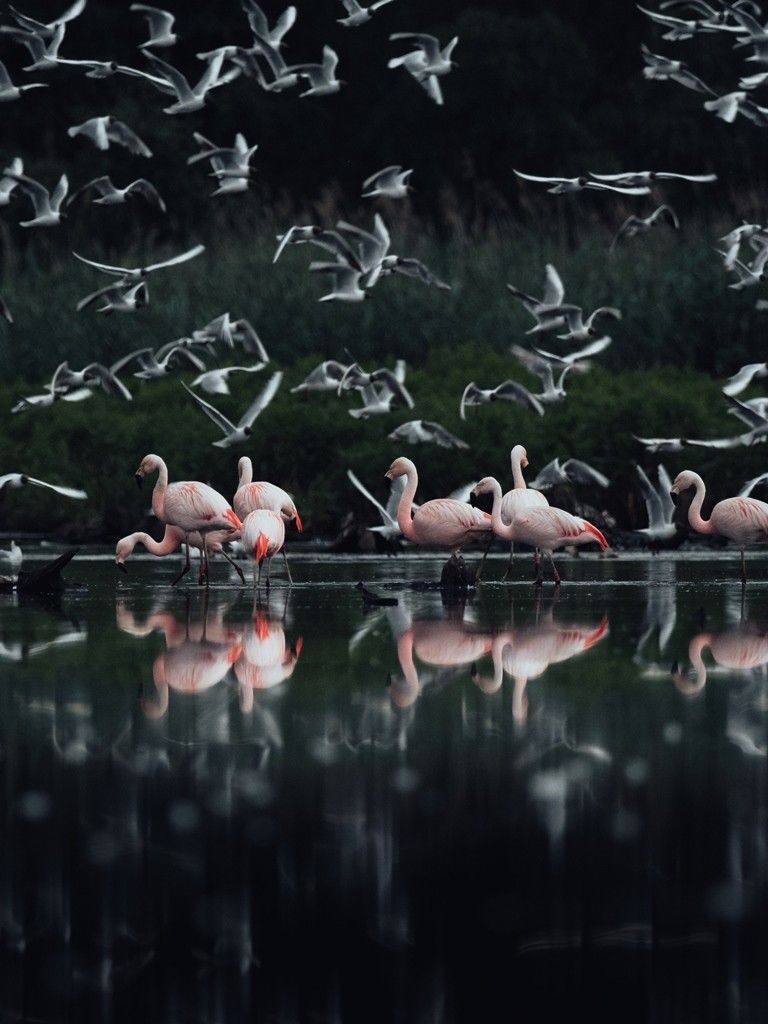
13	480
325	377
45	54
542	368
411	267
593	349
750	485
282	76
237	434
355	378
47	31
7	185
160	25
215	382
47	205
95	375
748	275
9	91
635	179
661	444
103	130
155	365
578	328
109	195
345	280
743	233
427	63
572	471
330	241
635	225
749	412
260	26
508	391
419	431
757	435
190	99
389	183
726	107
372	247
321	77
357	15
121	297
554	293
377	400
53	393
131	274
562	186
744	377
659	506
231	165
661	69
677	28
389	529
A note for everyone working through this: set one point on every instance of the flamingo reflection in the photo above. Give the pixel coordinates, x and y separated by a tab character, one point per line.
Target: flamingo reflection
741	649
266	658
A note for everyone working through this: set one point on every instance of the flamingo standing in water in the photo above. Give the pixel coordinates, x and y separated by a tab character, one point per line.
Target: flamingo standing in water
520	497
189	505
263	536
742	650
743	520
251	495
443	522
171	541
544	527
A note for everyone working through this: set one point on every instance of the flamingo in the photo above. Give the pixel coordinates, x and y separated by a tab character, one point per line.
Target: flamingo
743	520
742	650
189	505
519	498
540	527
263	536
249	496
171	541
443	522
266	659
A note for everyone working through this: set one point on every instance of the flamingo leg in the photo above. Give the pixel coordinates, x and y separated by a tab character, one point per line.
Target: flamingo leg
743	569
555	573
205	560
186	566
485	555
269	570
508	570
260	561
288	569
233	563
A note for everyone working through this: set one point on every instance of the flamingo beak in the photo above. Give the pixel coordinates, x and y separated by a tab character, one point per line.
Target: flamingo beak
388	475
122	567
298	523
139	480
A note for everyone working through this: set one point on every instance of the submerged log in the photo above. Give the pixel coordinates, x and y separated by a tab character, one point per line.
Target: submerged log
45	579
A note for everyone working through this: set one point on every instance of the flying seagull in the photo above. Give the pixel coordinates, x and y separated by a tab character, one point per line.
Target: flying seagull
425	431
215	382
659	507
47	205
13	480
9	91
389	183
325	377
358	15
240	432
562	186
572	471
109	195
508	391
130	274
104	130
160	25
635	225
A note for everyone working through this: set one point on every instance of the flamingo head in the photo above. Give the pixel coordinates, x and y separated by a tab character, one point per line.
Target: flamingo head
400	467
244	470
519	452
122	551
147	465
487	485
683	481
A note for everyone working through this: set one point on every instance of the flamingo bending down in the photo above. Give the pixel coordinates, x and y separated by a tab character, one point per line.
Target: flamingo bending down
520	497
443	522
743	520
741	650
189	505
251	495
544	527
263	536
171	541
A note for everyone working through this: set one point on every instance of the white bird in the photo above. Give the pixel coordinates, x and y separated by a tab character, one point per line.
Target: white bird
677	28
749	411
7	185
572	471
427	63
46	31
661	444
563	186
230	164
728	106
325	377
121	297
321	77
282	76
744	377
44	52
47	205
95	375
552	391
580	329
635	225
758	435
593	349
215	382
241	431
748	276
426	431
389	529
750	485
540	309
155	365
507	391
129	274
260	26
104	130
635	179
51	395
376	400
110	195
14	480
9	91
160	25
662	69
357	15
411	267
355	378
372	247
345	282
743	233
389	183
13	556
659	506
189	99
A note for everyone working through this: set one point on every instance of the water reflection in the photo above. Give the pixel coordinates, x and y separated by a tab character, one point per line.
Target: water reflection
219	810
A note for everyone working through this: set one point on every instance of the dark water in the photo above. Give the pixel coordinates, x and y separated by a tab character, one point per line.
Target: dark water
295	810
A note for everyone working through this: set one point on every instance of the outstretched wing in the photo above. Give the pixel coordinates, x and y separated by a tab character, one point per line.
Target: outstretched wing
212	413
261	401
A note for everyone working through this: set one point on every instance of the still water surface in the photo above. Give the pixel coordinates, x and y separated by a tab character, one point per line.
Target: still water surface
293	809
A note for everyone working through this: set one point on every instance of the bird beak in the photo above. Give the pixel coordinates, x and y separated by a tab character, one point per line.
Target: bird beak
388	475
122	567
139	479
524	463
473	493
297	523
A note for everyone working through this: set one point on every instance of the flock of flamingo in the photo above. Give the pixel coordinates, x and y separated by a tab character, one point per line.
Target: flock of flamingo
198	516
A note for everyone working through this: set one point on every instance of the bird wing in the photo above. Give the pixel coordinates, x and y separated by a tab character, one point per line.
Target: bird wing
37	193
582	473
665	494
670	176
72	12
511	391
535	364
593	349
116	271
175	260
442	437
386	518
67	492
547	477
431	85
283	24
537	177
631	222
5	311
384	172
120	133
652	500
429	44
212	413
665	211
469	397
554	292
745	412
172	75
393	385
59	194
147	190
261	401
160	21
182	350
246	335
121	364
742	378
103	186
93	296
750	485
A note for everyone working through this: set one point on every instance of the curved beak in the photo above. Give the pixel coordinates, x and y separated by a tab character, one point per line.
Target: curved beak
297	523
524	463
388	475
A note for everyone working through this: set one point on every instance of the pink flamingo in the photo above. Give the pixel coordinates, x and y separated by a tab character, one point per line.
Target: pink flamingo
441	642
189	505
543	527
263	536
443	522
741	650
743	520
172	540
250	496
520	497
266	659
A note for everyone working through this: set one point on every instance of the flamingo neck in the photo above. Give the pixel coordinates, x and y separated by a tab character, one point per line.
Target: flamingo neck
406	693
404	517
694	512
161	486
695	651
497	524
518	480
246	471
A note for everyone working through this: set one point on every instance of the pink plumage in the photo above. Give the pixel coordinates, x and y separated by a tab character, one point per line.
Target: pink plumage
263	536
261	494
